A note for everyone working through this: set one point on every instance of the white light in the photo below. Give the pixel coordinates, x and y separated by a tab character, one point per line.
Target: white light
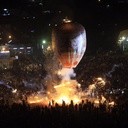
28	47
123	38
14	48
9	41
16	57
5	9
44	41
14	90
21	47
4	51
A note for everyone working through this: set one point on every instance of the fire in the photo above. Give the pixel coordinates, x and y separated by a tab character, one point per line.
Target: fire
66	92
112	103
38	99
70	90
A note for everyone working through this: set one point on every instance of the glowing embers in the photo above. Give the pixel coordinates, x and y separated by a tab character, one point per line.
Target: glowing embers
38	98
66	92
70	90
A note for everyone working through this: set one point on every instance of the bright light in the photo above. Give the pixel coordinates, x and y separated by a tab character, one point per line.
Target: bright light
9	37
14	90
44	41
66	20
3	49
21	47
5	9
48	48
123	38
112	103
9	41
63	98
28	47
14	48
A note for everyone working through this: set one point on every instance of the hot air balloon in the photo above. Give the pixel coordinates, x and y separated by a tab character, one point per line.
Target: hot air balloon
69	42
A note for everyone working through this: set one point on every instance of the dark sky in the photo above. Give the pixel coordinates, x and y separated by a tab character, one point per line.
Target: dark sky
102	20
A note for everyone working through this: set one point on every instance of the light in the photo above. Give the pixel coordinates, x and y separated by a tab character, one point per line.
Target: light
66	20
14	90
28	47
16	57
21	47
9	37
3	49
44	41
111	103
9	41
14	48
123	38
48	48
5	9
108	6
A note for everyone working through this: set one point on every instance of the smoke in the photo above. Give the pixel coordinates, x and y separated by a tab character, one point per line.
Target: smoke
66	74
115	66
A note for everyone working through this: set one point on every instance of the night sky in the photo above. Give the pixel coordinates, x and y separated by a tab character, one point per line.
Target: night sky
102	19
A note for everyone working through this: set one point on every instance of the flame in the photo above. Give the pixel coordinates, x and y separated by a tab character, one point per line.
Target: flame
112	103
66	92
70	90
38	99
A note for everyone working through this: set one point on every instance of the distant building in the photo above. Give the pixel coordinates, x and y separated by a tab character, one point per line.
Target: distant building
5	60
17	49
4	52
123	40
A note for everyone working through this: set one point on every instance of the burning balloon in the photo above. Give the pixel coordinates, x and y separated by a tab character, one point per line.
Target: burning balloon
69	42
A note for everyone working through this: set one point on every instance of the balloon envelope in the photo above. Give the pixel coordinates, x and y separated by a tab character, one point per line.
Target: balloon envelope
69	42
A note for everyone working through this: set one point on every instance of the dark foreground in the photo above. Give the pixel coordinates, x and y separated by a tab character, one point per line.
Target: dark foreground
84	115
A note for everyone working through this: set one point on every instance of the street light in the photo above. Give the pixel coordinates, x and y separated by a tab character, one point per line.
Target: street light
44	41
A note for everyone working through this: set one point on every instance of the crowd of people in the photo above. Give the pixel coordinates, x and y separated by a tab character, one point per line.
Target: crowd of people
83	115
29	76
